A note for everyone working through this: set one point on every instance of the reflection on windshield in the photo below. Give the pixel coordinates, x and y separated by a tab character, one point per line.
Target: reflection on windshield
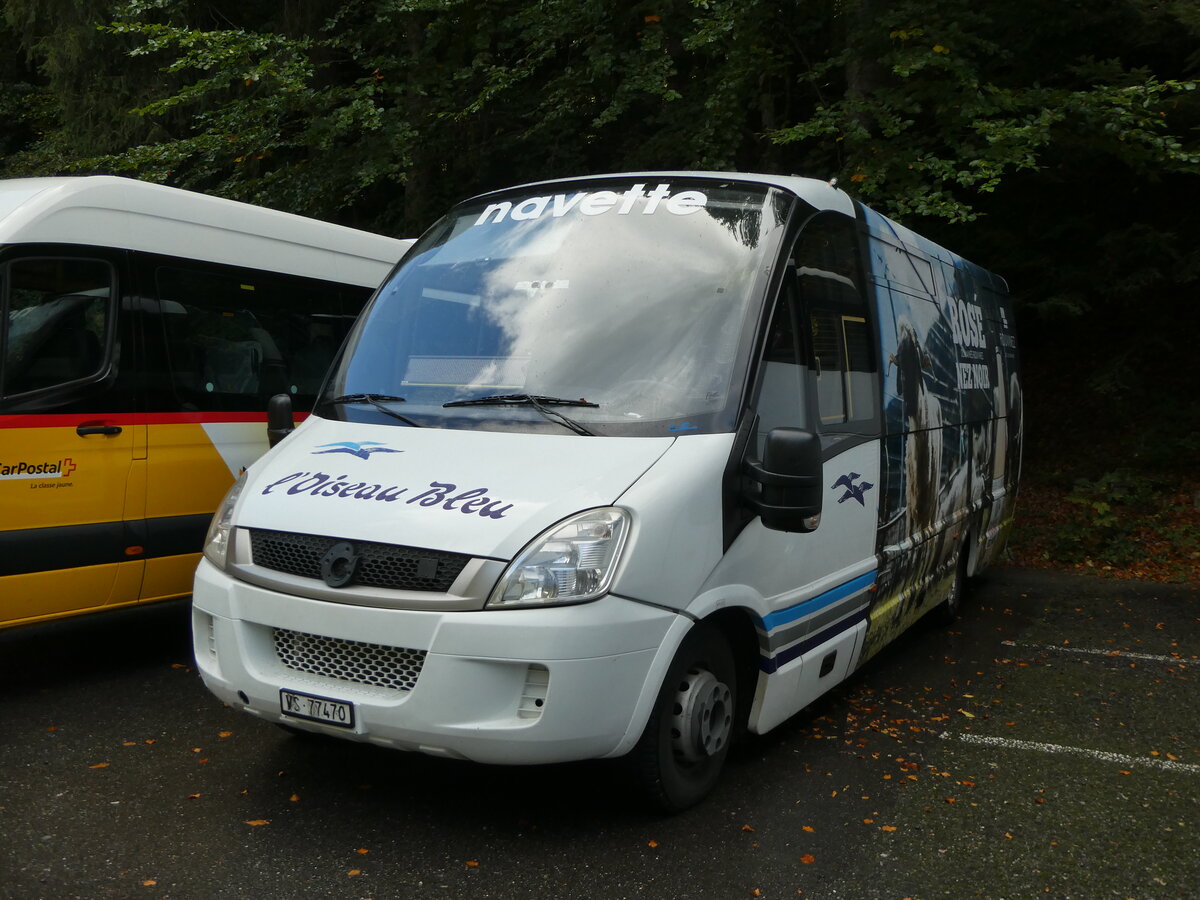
631	297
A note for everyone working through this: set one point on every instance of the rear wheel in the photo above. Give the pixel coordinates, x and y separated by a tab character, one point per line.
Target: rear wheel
682	751
948	611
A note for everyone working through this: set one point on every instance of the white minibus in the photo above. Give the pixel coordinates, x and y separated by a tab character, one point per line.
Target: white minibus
142	331
621	466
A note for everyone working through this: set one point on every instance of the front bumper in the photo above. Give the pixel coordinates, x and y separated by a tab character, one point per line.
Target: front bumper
492	686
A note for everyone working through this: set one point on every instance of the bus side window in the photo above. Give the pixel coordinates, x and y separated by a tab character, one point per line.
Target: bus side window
844	372
59	320
235	338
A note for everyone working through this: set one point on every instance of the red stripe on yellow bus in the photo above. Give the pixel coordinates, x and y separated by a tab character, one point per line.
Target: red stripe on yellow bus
65	420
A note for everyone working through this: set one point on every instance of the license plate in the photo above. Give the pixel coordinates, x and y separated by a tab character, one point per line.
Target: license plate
316	709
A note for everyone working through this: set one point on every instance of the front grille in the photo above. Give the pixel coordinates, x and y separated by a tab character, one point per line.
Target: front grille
380	566
374	665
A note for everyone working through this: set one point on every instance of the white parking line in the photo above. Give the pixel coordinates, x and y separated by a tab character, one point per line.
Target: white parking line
1111	654
1168	765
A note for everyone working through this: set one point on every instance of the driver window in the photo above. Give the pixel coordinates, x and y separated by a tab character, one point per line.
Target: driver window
781	399
840	342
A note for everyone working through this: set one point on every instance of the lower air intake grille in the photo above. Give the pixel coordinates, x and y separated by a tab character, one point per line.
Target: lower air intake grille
380	566
354	661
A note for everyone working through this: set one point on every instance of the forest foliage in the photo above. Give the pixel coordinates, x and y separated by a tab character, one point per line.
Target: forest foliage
1054	142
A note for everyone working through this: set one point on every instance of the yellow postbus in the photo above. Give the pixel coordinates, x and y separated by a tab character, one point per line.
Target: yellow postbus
142	331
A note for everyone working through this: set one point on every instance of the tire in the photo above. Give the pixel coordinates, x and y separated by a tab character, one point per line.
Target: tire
948	611
679	757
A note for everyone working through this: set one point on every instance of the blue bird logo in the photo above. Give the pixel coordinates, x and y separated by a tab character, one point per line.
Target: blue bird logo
362	450
853	491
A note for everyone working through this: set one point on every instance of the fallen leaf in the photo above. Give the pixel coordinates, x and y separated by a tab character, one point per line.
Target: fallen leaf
757	892
808	828
128	743
808	858
295	798
354	872
224	734
472	864
99	766
747	828
889	827
149	882
193	796
651	844
257	822
362	851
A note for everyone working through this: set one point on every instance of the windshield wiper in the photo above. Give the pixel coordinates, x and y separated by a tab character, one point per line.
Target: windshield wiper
530	399
377	401
538	402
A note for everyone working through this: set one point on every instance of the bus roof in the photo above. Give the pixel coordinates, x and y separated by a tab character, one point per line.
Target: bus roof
819	194
108	211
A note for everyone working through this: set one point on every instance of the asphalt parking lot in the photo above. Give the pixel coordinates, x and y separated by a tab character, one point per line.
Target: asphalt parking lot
1046	745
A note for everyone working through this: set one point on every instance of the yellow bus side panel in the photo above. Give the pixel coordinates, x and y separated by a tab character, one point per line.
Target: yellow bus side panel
85	480
169	576
191	471
47	595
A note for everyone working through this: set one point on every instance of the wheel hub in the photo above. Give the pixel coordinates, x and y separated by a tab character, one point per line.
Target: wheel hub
703	718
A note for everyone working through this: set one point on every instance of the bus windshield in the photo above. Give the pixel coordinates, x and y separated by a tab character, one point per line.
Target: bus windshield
618	305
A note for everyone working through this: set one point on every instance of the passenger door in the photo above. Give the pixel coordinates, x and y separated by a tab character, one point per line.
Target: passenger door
67	436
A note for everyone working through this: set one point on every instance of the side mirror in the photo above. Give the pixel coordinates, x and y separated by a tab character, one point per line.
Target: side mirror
279	418
789	480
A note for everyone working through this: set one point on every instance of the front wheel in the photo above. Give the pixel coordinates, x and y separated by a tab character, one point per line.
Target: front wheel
679	756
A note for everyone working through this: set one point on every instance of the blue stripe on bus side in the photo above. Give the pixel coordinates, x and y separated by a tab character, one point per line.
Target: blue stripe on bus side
771	661
819	602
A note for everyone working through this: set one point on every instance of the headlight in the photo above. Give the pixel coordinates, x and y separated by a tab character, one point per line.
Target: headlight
216	542
571	562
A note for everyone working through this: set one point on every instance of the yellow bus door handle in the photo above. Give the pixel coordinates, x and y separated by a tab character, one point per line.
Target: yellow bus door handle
95	428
